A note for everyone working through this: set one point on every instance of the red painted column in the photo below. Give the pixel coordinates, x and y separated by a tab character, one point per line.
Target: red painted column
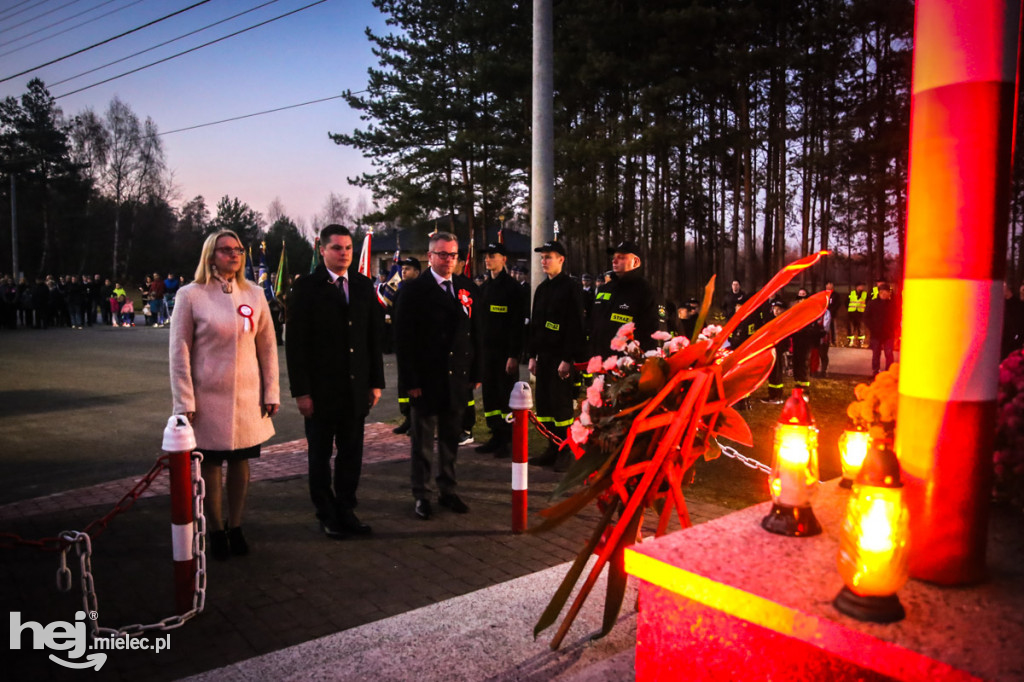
962	115
179	441
521	402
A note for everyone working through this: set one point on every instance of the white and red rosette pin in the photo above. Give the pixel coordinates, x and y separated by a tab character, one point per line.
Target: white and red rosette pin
466	301
246	312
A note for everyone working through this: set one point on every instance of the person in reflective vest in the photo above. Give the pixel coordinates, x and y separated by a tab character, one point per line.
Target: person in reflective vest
855	316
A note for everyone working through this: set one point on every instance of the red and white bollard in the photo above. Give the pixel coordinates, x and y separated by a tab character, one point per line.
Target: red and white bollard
520	402
179	441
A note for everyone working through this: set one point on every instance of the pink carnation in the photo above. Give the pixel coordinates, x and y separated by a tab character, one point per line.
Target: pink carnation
580	433
610	364
661	336
595	365
711	331
618	344
626	330
594	392
675	344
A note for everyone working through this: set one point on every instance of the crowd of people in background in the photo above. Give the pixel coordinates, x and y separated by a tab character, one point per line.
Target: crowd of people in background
80	301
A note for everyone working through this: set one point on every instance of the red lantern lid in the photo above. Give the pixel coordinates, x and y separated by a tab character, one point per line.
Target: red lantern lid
796	411
881	468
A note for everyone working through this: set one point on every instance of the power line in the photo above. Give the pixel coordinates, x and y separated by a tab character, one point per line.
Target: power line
257	113
56	23
104	42
166	42
40	16
70	28
16	6
193	49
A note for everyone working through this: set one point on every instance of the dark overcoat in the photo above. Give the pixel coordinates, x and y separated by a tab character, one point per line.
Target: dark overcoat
437	344
333	347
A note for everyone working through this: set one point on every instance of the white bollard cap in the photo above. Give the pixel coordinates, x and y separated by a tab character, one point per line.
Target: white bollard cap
522	397
178	436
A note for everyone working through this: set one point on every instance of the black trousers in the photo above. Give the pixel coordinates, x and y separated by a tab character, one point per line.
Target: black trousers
497	388
448	425
554	396
345	430
801	361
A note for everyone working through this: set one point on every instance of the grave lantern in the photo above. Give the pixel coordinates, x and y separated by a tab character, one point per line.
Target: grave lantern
873	542
794	477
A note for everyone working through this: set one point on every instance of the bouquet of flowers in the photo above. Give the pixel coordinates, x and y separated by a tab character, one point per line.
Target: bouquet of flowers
1008	457
874	410
647	418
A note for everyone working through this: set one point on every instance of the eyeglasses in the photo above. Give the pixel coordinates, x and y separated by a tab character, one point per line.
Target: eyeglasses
230	250
449	255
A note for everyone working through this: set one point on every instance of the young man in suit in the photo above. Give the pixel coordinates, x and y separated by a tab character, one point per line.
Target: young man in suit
336	368
437	342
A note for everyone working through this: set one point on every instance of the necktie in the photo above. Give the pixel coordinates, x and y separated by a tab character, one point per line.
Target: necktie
448	287
342	283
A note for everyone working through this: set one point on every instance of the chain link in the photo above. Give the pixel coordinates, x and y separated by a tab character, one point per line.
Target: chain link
81	541
744	460
544	431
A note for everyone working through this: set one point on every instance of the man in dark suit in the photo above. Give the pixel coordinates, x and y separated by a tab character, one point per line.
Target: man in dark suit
437	343
336	368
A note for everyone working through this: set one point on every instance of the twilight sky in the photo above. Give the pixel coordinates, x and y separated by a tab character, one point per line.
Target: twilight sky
313	54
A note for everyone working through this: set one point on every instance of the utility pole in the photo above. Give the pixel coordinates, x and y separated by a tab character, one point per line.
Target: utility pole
542	180
15	272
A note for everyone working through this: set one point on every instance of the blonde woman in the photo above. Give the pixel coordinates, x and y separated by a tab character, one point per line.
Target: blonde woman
224	377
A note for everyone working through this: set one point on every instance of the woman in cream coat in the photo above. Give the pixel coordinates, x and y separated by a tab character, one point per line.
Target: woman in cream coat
224	378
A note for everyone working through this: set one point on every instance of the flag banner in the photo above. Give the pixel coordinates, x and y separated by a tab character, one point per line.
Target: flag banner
263	277
313	264
282	273
364	257
249	274
387	291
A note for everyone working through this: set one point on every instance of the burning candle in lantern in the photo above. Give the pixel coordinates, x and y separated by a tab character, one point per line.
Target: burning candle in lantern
873	543
853	447
794	477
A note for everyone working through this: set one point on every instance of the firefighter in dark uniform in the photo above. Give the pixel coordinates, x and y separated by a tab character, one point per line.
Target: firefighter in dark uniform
775	385
410	270
469	416
626	297
555	342
501	315
804	340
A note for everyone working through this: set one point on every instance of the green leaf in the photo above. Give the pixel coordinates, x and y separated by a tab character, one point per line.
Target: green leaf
705	306
617	575
564	590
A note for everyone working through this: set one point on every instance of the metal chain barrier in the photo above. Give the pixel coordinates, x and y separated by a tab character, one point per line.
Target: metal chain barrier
744	460
543	430
81	541
94	529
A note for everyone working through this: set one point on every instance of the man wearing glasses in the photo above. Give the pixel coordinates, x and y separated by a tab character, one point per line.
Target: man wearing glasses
336	368
437	343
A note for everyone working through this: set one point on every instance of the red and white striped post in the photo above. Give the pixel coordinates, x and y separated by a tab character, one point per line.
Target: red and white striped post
179	441
520	402
961	139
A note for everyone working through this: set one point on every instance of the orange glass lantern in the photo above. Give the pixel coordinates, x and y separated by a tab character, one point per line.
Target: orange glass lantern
853	447
794	477
873	543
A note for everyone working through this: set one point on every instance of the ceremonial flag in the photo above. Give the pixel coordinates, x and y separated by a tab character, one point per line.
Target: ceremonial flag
467	269
316	255
282	273
364	257
249	274
263	278
387	291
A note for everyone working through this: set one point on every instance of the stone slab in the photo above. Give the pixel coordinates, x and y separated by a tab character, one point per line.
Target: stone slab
786	586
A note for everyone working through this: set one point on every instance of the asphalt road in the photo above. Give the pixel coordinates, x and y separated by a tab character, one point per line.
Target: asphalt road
84	407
